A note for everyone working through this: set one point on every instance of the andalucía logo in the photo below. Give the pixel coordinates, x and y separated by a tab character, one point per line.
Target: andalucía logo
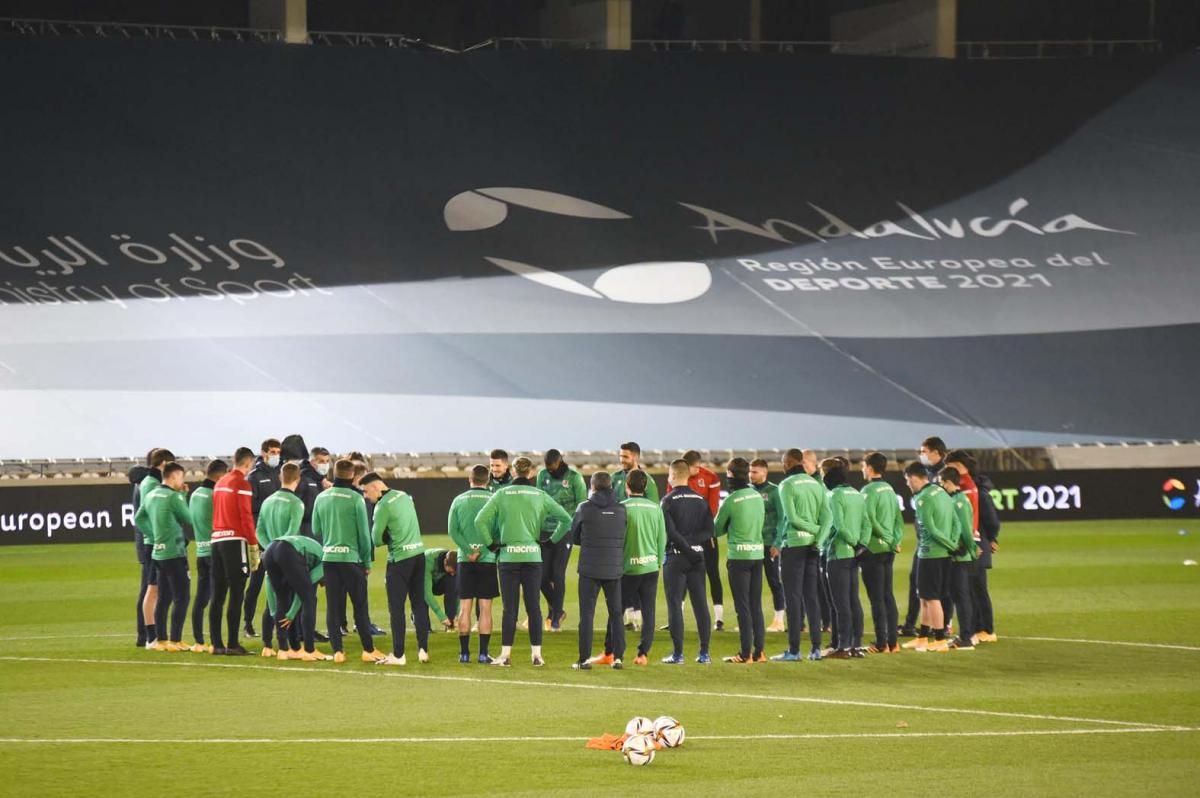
656	283
1173	494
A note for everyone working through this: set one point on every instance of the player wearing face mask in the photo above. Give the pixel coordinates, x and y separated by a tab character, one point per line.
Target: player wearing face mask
314	467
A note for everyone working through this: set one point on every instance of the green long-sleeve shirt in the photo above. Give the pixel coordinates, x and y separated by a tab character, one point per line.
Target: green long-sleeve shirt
850	525
434	575
201	511
964	527
884	516
514	517
741	518
935	523
280	514
396	524
148	483
772	513
806	517
339	520
164	511
460	525
569	492
645	536
313	554
618	482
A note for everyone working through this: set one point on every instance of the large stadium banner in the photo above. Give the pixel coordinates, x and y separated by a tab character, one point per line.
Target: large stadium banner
41	513
203	244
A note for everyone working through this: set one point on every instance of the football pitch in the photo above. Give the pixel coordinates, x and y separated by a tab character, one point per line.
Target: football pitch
1094	687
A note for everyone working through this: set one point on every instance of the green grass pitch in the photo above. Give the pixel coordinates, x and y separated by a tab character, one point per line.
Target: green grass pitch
1042	712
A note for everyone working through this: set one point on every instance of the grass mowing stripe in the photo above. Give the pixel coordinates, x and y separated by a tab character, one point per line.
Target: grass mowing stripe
1104	642
603	687
422	740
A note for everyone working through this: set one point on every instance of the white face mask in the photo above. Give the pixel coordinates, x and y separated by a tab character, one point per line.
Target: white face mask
323	469
925	461
273	460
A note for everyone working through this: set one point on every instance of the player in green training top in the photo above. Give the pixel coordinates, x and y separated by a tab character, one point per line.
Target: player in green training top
962	559
200	509
887	528
630	455
148	595
759	478
441	591
476	577
295	568
741	519
396	527
280	515
164	512
565	485
935	540
511	522
339	520
849	532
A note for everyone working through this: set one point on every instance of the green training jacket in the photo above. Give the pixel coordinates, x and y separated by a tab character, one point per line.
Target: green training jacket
645	536
200	509
772	513
165	512
964	527
569	492
806	517
850	526
312	552
741	518
280	514
884	516
339	520
396	524
460	525
433	575
618	482
148	483
514	517
935	523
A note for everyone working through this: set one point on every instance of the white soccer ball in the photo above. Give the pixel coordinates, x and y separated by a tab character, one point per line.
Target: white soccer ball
639	725
638	749
668	731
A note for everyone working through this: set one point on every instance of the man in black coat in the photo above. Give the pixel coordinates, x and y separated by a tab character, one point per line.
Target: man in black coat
599	532
989	544
689	525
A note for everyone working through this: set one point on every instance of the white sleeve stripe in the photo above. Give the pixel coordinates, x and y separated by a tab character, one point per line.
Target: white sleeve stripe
245	493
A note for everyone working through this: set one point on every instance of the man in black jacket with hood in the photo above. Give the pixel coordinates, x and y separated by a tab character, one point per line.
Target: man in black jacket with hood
312	474
989	536
599	532
312	482
689	525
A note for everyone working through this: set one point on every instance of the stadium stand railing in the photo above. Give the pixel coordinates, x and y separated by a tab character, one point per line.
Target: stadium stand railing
126	30
1161	454
992	50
